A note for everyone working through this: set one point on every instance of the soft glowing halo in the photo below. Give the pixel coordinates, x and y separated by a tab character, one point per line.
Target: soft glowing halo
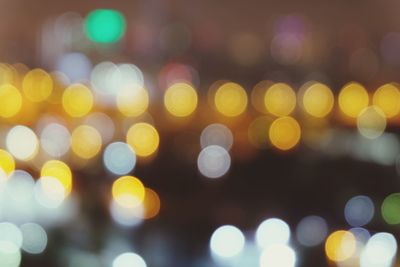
213	161
55	139
216	134
278	256
311	231
22	142
359	211
34	238
227	241
119	158
272	232
129	259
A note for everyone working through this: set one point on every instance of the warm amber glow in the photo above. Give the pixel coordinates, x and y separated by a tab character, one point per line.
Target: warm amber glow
77	100
318	100
180	99
128	191
59	170
132	101
387	98
280	99
340	246
151	204
284	133
37	85
353	98
230	99
10	101
85	141
143	138
7	163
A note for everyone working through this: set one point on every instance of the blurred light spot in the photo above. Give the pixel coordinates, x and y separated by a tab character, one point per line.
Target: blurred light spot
143	138
128	191
77	100
285	133
86	141
230	99
272	232
311	231
213	161
10	255
340	246
49	192
216	134
22	142
227	241
37	85
353	98
55	139
280	99
11	233
387	98
371	122
359	211
126	215
119	158
318	100
76	66
105	25
380	251
278	256
391	209
151	204
129	259
7	163
103	124
11	101
132	101
59	170
180	99
34	238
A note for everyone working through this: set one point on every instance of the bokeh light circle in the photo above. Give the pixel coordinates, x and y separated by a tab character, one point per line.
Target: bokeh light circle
227	241
213	161
119	158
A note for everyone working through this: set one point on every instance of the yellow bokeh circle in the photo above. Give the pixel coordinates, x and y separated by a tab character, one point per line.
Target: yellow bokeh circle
86	141
143	138
318	100
7	162
10	101
230	99
77	100
284	133
180	99
387	98
340	246
59	170
353	98
128	191
37	85
280	99
132	101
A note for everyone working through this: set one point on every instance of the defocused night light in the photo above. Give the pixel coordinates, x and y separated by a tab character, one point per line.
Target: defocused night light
371	122
124	215
151	204
7	162
37	85
11	101
105	25
34	238
49	192
387	98
86	141
227	241
280	99
180	99
278	256
77	100
11	233
353	98
59	170
10	254
22	143
132	101
311	231
119	158
257	95
380	251
340	246
103	124
318	100
55	139
214	161
230	99
272	232
216	134
285	133
129	259
128	191
391	209
76	66
359	211
143	138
